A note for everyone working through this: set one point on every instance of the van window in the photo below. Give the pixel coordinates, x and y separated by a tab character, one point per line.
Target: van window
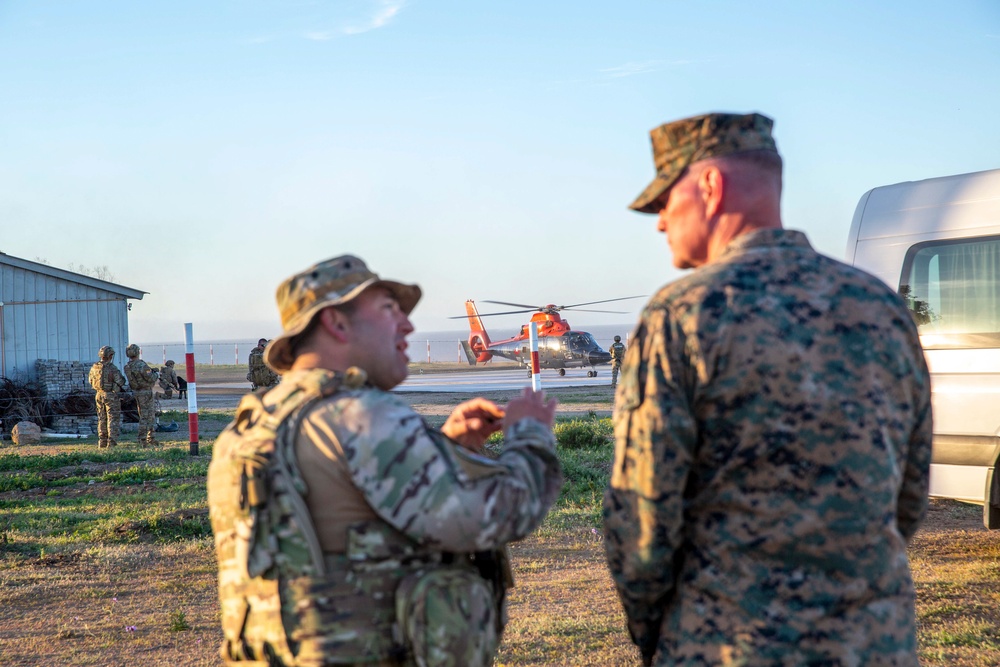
953	288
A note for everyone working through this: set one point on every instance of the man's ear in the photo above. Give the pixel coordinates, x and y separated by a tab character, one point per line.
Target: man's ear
711	185
335	323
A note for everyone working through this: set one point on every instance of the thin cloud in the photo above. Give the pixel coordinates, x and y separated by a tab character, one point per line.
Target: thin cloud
384	12
644	67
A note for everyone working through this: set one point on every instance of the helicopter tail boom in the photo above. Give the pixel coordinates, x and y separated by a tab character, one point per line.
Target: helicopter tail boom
479	341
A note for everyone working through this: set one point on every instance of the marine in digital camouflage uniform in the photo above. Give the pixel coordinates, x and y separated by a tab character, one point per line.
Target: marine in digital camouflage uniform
141	379
617	351
108	382
168	379
389	497
773	431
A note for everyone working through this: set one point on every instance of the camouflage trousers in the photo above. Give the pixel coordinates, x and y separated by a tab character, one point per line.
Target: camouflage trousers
615	367
109	418
147	416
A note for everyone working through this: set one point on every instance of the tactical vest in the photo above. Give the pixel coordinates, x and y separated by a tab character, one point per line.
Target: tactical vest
284	602
137	380
101	377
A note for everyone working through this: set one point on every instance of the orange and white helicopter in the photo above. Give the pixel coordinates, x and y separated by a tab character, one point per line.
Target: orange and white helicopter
559	346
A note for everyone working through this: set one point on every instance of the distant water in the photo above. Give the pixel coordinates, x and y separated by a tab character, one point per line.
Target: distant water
438	346
215	352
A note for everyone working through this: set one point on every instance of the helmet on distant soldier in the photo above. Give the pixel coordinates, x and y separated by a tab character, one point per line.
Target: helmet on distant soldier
106	352
618	339
132	351
170	362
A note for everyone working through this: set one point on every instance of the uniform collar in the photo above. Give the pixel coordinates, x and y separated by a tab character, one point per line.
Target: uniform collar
767	238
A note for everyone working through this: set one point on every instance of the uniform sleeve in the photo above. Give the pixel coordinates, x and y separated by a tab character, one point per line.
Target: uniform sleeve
911	507
655	437
412	478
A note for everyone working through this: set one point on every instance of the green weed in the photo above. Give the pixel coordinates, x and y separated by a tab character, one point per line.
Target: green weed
178	621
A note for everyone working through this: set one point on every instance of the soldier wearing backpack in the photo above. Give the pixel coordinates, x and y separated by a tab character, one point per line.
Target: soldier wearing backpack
108	382
259	374
347	530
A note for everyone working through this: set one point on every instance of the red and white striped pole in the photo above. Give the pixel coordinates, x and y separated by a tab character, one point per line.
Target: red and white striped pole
164	354
237	357
428	351
211	356
536	376
192	390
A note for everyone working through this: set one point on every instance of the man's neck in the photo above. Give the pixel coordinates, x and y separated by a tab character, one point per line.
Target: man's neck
733	226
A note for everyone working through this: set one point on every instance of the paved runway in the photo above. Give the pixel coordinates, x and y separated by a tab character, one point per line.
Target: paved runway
477	382
482	381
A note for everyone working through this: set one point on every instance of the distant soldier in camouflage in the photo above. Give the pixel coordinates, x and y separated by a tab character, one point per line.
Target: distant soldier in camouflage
773	430
168	379
617	356
141	379
347	530
108	382
260	375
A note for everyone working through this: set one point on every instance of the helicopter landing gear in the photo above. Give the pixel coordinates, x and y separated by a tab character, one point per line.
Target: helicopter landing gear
562	372
591	374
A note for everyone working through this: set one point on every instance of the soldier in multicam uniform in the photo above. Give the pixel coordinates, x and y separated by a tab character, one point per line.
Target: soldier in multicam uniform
773	430
347	530
108	381
617	351
168	379
260	375
141	379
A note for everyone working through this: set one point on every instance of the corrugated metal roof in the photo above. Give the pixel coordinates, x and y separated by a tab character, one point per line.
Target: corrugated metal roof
63	274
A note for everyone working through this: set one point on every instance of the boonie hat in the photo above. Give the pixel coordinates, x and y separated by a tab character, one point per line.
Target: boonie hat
331	283
676	145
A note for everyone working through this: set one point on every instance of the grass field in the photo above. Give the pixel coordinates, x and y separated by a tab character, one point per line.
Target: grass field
107	559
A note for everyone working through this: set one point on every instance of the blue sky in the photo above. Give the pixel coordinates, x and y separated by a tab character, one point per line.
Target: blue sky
204	151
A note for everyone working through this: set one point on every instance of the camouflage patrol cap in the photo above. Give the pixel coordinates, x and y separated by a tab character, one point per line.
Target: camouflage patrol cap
676	145
333	282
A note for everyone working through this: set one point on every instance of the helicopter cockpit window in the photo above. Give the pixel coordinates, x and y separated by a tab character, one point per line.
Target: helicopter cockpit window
581	341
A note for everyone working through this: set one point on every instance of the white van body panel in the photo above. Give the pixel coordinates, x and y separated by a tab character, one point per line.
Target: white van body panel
890	224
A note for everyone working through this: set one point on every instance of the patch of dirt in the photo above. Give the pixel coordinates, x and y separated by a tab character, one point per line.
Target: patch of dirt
56	560
111	606
949	516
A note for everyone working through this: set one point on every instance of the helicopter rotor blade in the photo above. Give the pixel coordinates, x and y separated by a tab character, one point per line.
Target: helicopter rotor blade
591	303
519	305
509	312
588	310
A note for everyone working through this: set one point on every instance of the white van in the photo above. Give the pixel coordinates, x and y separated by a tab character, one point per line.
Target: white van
938	243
